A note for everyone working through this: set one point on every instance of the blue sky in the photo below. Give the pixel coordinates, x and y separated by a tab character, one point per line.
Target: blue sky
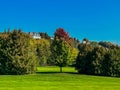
93	19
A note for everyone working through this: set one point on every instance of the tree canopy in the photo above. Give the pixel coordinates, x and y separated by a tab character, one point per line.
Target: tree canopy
21	53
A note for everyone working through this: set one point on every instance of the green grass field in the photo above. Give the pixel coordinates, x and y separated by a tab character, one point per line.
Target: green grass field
49	78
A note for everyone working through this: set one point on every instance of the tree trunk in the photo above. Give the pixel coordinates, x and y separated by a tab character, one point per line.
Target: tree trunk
60	69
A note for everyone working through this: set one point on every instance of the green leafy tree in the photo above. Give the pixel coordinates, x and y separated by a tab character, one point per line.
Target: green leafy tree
43	51
60	53
60	48
73	55
17	56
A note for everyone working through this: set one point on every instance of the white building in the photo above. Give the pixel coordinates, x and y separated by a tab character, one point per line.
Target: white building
35	35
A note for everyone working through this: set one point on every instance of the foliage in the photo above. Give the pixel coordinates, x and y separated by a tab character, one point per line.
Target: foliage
44	35
108	45
111	63
83	62
16	54
60	53
97	57
98	60
61	34
43	51
60	49
73	55
19	53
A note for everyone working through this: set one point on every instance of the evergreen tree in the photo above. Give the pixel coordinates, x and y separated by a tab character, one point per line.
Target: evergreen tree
17	55
83	61
111	63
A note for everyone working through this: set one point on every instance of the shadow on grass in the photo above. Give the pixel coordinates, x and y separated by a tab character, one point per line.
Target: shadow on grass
56	72
73	73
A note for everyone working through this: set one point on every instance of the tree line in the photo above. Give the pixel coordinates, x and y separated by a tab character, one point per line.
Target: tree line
20	53
101	58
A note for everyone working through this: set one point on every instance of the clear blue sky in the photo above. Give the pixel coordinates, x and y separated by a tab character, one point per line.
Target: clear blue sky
93	19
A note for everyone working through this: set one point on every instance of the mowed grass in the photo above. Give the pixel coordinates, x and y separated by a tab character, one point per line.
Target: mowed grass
49	78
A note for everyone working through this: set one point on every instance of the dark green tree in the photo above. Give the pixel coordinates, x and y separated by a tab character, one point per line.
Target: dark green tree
83	61
111	63
97	57
44	35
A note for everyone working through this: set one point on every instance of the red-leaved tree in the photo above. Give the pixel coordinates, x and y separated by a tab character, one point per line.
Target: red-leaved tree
61	34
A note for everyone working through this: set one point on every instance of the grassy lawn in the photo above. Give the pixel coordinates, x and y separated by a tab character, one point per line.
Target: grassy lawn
49	78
